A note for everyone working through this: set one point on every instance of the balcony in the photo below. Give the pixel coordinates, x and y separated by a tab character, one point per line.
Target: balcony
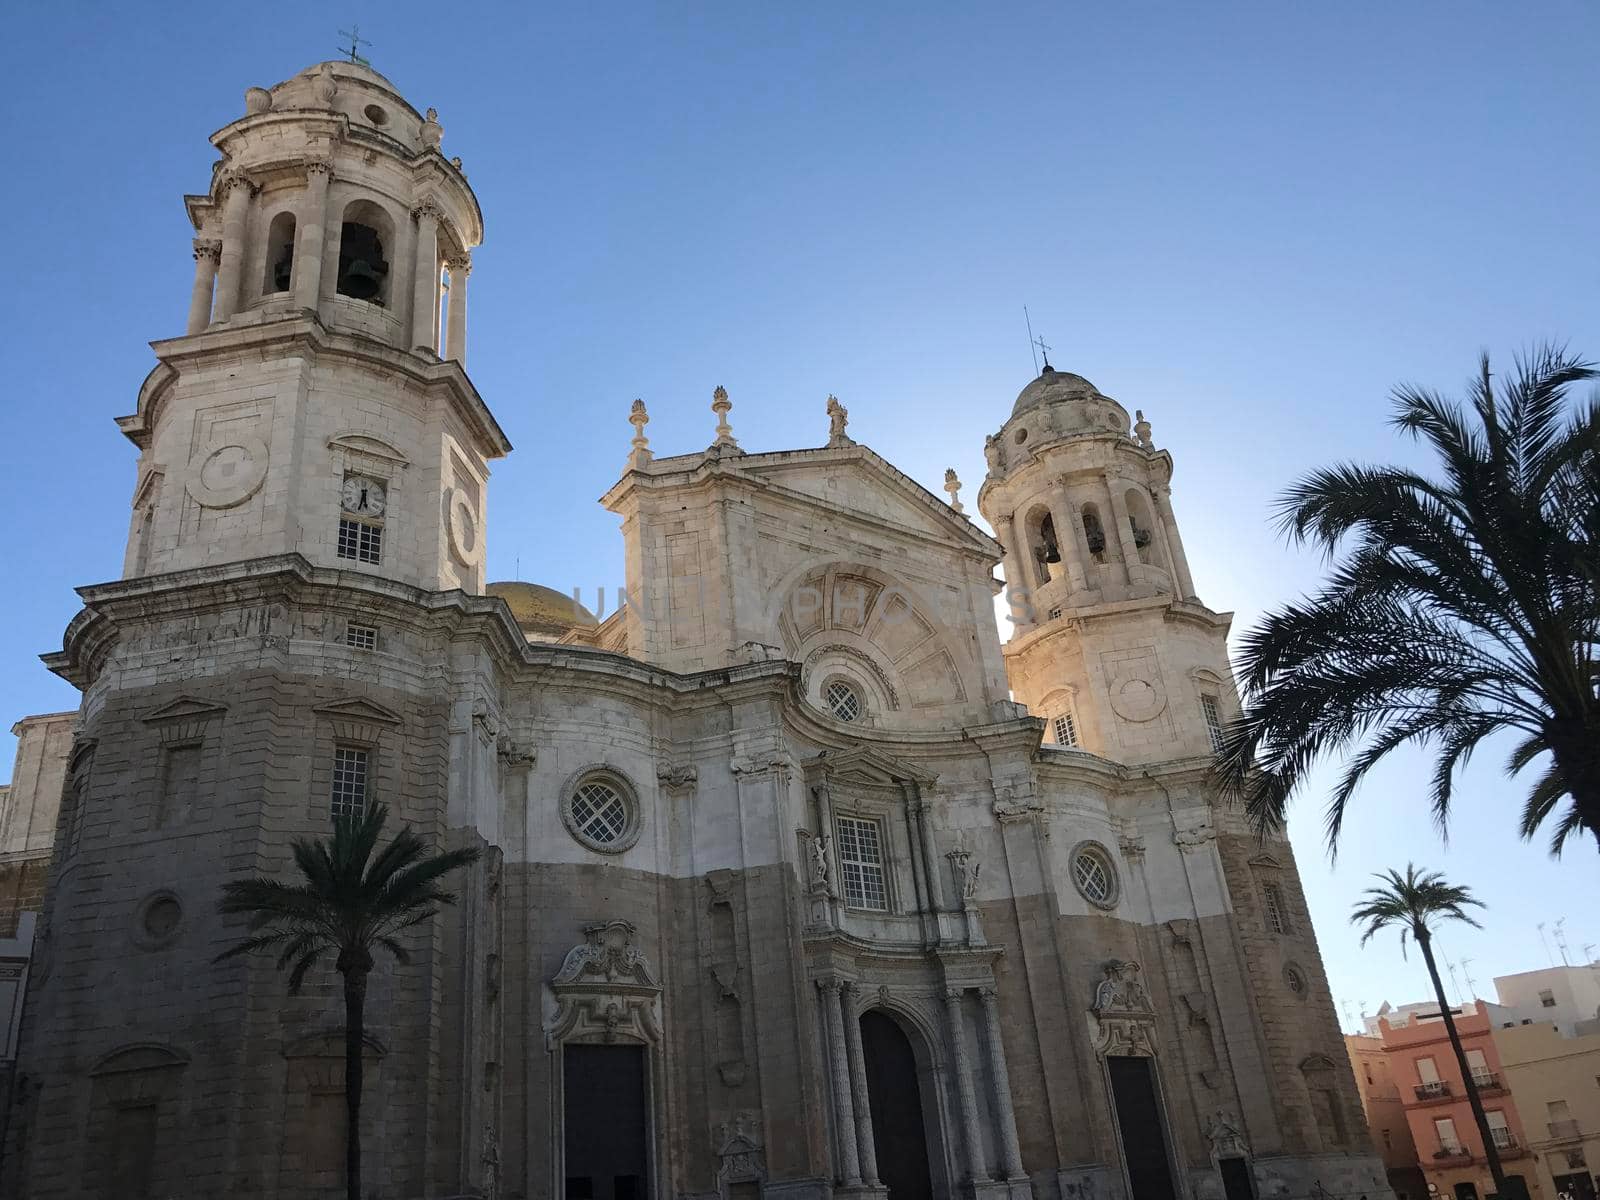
1452	1156
1487	1081
1564	1131
1438	1089
1506	1143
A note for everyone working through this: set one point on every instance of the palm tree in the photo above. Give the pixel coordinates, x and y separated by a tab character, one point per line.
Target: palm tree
349	905
1414	903
1463	605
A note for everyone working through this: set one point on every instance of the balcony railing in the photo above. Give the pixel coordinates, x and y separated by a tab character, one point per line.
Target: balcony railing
1504	1139
1564	1130
1486	1080
1435	1090
1452	1154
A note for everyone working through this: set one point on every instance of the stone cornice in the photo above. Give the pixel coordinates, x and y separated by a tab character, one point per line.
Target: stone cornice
305	332
1170	608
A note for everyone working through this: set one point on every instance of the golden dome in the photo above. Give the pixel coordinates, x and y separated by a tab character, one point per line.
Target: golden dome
543	614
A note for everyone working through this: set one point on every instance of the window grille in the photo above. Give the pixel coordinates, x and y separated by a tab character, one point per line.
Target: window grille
348	796
1093	876
1277	913
599	812
860	851
360	541
1055	613
361	637
1066	730
1208	706
842	700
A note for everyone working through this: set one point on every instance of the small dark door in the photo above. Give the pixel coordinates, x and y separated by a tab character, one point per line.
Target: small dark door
898	1134
1236	1179
1144	1137
1579	1186
1466	1191
604	1115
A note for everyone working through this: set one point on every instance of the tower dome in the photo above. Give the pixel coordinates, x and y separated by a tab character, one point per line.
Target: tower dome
1053	385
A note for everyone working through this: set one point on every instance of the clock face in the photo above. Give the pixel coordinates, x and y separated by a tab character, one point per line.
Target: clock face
364	496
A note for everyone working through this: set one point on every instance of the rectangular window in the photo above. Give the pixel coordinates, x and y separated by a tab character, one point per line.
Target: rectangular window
360	541
349	793
1066	730
1277	914
1445	1127
1427	1070
1055	613
860	845
1479	1066
1388	1139
361	637
180	784
1547	998
1208	706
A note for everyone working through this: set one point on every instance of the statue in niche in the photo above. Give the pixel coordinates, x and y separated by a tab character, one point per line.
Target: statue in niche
819	859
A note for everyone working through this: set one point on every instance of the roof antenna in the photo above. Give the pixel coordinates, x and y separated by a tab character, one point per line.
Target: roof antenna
356	42
1032	349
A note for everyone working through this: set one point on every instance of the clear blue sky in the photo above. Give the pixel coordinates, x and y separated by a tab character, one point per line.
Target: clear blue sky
1249	220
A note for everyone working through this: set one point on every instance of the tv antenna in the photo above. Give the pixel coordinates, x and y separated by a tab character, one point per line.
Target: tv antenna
1471	986
356	42
1561	941
1545	943
1588	953
1454	982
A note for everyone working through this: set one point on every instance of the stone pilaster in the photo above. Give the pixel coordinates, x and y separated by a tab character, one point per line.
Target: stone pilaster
206	254
311	236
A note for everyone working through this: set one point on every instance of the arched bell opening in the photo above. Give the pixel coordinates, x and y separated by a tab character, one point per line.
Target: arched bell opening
279	271
365	238
1141	524
902	1093
1043	546
1094	533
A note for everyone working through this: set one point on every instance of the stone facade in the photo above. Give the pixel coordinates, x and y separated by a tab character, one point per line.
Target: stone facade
782	894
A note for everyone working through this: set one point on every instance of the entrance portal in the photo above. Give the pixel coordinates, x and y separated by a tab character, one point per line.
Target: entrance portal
895	1099
605	1122
1144	1135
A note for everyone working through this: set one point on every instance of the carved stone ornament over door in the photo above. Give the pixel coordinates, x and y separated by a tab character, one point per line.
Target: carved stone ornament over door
605	990
1124	1017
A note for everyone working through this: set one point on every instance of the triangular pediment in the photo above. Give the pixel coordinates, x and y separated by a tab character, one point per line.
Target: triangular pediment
857	481
184	708
1266	860
359	710
866	765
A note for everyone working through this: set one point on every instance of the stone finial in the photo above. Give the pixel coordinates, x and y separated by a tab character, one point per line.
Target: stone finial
456	163
639	418
432	131
838	418
1141	429
993	453
257	100
720	404
325	88
953	486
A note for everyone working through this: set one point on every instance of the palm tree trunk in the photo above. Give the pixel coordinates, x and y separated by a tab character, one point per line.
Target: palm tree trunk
1478	1115
355	1002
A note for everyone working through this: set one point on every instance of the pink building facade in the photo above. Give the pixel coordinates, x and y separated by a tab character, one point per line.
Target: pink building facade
1449	1147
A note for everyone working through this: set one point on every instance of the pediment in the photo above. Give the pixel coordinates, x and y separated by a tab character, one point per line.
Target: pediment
1316	1062
857	481
1266	860
863	764
372	447
361	710
184	708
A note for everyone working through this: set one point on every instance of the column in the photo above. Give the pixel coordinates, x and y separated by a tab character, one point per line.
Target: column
425	281
1019	595
205	275
849	1163
866	1147
930	853
1119	518
1169	526
1069	531
235	211
1010	1150
971	1135
456	342
310	235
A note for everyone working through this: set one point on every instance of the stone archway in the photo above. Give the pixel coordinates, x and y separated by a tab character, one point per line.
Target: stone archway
900	1122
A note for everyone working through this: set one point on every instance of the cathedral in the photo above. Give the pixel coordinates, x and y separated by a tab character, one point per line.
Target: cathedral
795	881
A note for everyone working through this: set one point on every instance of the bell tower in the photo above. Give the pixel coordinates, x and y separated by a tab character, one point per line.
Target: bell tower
318	401
1111	646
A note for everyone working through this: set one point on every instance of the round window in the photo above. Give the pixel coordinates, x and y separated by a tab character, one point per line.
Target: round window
1022	436
157	920
600	812
1094	876
843	701
376	115
1294	979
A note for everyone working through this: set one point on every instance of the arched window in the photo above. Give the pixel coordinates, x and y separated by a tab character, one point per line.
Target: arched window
1043	547
1094	533
364	241
1139	522
280	254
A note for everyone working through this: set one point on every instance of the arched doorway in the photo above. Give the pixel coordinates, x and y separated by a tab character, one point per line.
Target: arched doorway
894	1094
